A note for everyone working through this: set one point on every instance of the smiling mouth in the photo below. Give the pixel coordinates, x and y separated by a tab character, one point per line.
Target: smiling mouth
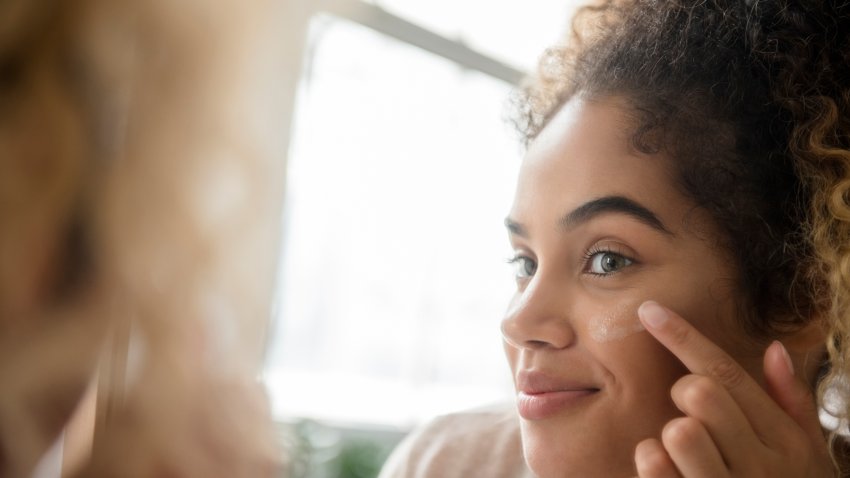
541	405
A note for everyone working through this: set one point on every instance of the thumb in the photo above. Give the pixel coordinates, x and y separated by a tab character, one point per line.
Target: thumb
792	394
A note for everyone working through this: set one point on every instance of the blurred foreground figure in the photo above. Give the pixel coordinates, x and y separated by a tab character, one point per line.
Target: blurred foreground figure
139	200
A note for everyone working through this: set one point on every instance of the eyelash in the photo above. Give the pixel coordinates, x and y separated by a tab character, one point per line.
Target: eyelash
515	260
596	250
587	261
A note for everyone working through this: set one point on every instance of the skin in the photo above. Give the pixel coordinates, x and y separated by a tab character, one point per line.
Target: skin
661	402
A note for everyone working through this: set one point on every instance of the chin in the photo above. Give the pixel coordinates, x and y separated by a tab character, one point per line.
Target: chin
579	456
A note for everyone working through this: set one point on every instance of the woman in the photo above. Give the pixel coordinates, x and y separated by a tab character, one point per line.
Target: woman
681	230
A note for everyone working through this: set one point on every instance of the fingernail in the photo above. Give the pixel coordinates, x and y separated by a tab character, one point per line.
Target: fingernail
787	357
653	314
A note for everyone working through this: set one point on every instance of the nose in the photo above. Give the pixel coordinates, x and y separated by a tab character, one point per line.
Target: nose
538	317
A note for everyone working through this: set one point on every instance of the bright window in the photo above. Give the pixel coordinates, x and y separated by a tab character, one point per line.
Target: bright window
512	31
393	280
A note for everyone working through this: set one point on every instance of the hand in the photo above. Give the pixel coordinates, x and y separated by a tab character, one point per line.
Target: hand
732	427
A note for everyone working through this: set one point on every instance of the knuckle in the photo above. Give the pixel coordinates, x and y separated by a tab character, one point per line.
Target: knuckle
697	392
651	460
681	433
726	371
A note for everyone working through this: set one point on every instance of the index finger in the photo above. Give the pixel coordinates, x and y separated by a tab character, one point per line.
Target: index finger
702	356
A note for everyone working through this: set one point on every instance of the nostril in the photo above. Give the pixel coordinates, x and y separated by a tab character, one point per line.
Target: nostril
536	344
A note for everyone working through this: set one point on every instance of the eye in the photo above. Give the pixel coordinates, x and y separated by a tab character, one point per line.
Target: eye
524	266
607	262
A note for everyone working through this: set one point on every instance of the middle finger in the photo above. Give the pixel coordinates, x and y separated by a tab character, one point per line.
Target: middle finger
706	400
692	449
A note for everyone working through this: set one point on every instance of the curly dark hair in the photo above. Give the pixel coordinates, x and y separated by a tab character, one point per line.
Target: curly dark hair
751	100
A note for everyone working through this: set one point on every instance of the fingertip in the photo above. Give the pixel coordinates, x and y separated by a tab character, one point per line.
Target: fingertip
791	393
652	314
777	362
779	375
651	459
786	357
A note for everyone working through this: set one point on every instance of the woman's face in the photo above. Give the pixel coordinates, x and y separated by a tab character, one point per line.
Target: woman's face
598	228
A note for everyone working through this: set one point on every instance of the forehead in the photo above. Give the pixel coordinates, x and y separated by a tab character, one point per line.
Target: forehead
585	153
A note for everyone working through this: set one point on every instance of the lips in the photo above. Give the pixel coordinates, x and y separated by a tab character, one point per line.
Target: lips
540	396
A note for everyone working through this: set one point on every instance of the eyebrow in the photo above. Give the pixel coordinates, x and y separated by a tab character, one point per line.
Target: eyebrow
598	207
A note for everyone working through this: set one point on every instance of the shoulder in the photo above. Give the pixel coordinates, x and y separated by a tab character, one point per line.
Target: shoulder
474	443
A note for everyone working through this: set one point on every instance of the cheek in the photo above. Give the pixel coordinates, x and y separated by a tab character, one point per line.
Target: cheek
709	303
615	322
719	321
641	369
713	312
701	287
697	286
641	365
643	373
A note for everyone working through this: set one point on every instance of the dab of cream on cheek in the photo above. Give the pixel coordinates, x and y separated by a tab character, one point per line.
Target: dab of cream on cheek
616	323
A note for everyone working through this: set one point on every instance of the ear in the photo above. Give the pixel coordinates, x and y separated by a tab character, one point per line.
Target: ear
807	347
